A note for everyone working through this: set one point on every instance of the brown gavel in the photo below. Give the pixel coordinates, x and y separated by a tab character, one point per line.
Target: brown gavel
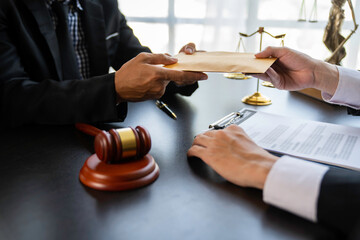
116	145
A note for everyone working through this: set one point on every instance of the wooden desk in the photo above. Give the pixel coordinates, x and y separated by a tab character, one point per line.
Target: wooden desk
42	198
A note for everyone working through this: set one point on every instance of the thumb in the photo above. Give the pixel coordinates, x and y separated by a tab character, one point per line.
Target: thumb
160	59
270	52
189	48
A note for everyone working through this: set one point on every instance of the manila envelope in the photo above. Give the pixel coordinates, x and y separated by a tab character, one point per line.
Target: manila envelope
221	62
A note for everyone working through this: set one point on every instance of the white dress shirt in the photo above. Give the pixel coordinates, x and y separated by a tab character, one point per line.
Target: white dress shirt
294	184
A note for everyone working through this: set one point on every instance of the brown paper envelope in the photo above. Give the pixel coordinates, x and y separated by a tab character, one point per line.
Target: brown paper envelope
221	62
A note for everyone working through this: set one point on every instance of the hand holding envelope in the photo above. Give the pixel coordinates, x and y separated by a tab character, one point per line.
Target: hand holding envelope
221	62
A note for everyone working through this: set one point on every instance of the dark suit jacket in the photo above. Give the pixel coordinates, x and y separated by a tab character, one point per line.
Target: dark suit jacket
339	202
354	112
33	85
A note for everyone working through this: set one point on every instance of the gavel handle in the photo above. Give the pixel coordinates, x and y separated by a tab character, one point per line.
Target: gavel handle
87	129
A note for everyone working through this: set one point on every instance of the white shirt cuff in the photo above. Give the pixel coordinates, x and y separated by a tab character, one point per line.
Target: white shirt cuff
347	91
294	185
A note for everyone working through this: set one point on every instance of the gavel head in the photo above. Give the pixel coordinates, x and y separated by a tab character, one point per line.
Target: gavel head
119	145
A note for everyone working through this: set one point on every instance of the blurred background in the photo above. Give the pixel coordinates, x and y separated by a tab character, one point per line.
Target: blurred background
213	25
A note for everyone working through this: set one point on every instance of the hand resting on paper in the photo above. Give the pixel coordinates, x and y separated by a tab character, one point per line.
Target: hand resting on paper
232	154
294	70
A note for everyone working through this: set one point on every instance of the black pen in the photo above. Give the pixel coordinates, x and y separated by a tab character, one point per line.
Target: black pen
162	106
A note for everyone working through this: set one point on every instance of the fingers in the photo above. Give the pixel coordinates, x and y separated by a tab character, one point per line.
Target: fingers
270	76
208	138
274	77
179	77
182	77
262	76
189	48
271	52
151	58
201	140
234	127
196	151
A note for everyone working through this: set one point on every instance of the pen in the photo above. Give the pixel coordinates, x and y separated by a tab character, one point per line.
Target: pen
162	106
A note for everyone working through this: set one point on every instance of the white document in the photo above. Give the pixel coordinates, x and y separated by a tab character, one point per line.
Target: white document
317	141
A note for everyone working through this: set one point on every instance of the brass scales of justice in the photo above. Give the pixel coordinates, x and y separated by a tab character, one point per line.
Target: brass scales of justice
257	98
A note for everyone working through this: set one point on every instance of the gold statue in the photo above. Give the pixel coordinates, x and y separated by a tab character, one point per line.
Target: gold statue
332	39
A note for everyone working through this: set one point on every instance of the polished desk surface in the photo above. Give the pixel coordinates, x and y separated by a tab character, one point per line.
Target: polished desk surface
42	198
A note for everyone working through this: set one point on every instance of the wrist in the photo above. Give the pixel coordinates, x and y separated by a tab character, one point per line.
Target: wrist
326	77
264	170
117	87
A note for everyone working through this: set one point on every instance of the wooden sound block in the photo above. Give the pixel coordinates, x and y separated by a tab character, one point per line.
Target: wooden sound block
120	176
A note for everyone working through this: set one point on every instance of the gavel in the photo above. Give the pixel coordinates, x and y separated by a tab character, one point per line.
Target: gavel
118	145
121	160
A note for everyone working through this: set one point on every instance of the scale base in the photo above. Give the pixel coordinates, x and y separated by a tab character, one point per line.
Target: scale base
257	99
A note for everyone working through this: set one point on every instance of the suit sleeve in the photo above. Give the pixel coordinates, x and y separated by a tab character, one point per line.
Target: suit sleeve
339	200
317	192
347	91
27	99
293	185
354	112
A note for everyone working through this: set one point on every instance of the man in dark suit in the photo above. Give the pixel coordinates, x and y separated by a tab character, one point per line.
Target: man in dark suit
317	192
55	58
